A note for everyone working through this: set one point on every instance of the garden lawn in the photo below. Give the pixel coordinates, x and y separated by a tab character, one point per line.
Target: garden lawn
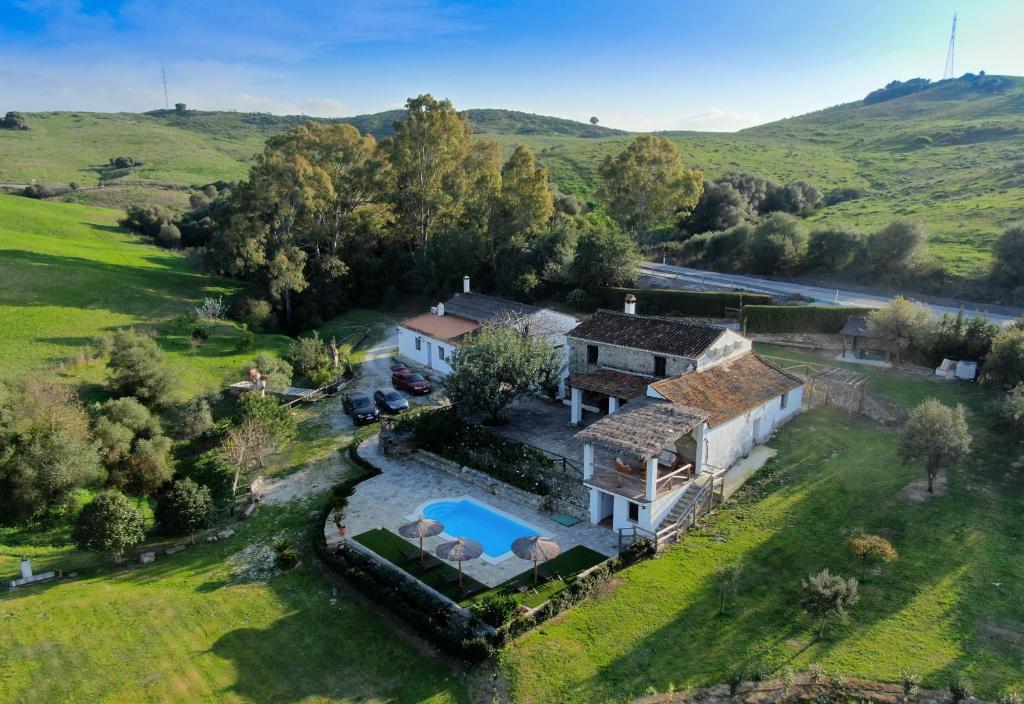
186	630
952	602
70	274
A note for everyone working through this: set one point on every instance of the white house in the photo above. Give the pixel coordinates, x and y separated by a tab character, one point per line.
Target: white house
684	401
430	339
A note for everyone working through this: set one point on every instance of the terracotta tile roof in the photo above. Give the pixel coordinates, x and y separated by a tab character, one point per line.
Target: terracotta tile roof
441	327
612	382
648	332
730	389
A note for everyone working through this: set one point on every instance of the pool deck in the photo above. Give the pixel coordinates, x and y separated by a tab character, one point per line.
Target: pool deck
384	501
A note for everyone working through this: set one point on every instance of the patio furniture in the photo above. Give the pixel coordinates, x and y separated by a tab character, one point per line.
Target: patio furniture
472	590
550	576
409	555
420	528
535	548
429	564
450	578
459	550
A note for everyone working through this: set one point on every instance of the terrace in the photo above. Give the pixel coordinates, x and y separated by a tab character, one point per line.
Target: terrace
382	503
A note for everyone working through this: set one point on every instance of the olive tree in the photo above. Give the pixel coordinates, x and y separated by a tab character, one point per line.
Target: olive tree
137	368
901	324
494	368
936	436
826	597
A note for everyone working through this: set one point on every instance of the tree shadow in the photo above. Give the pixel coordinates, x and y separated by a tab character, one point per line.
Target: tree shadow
834	482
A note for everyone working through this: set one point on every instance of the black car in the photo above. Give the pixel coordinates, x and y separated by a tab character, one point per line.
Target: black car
360	407
390	401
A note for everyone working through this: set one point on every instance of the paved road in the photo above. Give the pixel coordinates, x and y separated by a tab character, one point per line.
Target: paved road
821	295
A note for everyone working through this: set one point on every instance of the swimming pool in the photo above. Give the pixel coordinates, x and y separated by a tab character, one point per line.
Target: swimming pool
465	517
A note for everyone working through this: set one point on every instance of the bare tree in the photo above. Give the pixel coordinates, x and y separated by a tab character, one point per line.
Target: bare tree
238	448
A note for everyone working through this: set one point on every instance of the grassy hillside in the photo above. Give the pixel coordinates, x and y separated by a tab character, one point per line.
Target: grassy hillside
951	156
70	274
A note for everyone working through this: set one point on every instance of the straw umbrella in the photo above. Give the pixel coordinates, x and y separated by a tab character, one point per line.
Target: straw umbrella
535	548
459	550
420	528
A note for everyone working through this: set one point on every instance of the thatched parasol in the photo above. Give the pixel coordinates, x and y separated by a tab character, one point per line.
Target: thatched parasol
535	548
459	550
420	528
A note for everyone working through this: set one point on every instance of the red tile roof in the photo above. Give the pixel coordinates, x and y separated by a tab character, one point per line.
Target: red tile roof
441	327
729	389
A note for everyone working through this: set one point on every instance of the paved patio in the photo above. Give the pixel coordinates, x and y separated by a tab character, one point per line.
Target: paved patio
384	501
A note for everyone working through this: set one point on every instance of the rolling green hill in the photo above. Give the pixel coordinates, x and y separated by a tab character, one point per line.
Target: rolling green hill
70	274
951	156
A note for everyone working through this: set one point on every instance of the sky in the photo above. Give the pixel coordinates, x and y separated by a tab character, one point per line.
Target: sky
721	65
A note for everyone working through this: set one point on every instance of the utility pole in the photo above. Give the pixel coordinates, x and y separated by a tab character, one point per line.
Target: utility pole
163	76
948	72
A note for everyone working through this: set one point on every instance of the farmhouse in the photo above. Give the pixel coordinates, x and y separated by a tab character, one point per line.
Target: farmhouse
430	339
683	401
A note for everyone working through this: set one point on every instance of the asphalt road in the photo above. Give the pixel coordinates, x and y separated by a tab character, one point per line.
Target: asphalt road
821	295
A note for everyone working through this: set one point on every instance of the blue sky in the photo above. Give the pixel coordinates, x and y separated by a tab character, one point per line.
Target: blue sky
636	65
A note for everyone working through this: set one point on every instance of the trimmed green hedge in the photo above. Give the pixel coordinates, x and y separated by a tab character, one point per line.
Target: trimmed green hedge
670	301
811	319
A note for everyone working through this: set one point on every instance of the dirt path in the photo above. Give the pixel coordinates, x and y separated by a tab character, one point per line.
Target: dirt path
319	475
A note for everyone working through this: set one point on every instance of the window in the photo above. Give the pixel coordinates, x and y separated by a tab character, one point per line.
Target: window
440	352
591	354
659	366
784	401
419	343
634	511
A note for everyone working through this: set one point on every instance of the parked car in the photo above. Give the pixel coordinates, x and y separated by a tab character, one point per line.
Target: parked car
410	380
390	401
361	408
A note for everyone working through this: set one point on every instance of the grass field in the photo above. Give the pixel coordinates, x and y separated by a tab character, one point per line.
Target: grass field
950	603
190	629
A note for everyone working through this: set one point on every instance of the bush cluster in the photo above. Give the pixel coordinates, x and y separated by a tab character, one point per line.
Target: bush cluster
444	433
807	319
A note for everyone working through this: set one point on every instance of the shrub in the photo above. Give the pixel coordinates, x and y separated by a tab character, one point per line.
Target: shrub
277	371
842	195
960	688
308	355
133	446
1011	696
137	369
109	523
169	235
123	162
254	312
287	556
496	609
1010	413
246	339
185	508
14	121
211	470
816	673
911	682
196	417
1004	368
576	299
808	319
211	309
146	220
180	107
871	547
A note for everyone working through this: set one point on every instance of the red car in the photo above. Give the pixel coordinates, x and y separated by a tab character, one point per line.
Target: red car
409	380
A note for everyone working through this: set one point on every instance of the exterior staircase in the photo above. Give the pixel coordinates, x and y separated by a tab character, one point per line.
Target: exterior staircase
699	497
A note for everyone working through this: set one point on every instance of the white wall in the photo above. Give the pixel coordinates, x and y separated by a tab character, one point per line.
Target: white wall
427	355
728	442
729	346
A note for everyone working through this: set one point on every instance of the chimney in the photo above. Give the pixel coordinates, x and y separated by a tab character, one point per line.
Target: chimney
440	309
630	307
465	284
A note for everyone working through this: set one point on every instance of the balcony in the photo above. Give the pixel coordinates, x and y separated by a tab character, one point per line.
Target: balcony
632	483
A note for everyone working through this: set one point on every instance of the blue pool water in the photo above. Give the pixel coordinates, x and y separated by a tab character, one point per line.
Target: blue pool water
463	518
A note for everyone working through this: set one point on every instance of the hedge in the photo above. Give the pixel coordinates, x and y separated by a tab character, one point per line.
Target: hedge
669	301
810	319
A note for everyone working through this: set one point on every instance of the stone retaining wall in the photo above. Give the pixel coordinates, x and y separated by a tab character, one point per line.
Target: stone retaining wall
481	480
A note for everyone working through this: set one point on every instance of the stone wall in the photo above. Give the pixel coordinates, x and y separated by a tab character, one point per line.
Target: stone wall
623	358
568	493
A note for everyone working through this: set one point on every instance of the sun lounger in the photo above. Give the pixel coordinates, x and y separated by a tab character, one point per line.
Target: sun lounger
429	564
472	590
548	576
409	555
451	578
